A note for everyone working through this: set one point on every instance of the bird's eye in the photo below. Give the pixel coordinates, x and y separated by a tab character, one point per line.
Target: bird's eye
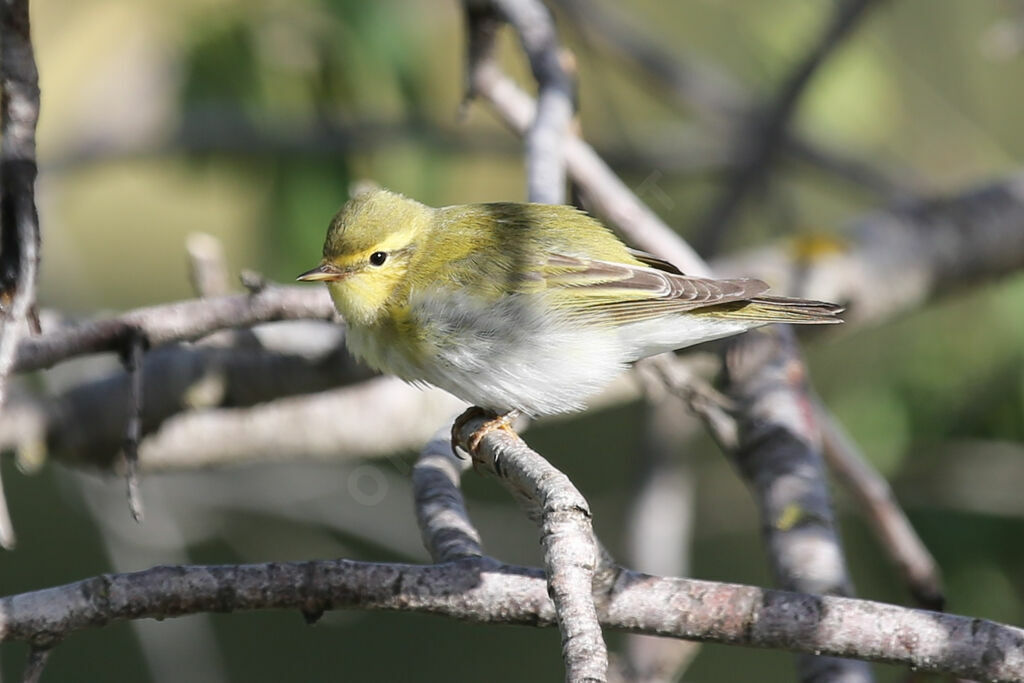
378	258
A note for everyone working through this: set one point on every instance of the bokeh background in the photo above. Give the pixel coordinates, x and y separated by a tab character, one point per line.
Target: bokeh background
249	120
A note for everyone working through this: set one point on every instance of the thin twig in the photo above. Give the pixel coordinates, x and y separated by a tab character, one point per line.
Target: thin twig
572	556
207	266
131	357
767	133
721	102
8	539
19	222
37	658
483	591
872	492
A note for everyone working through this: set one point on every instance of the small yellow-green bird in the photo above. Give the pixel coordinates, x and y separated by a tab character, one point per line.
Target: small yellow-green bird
520	307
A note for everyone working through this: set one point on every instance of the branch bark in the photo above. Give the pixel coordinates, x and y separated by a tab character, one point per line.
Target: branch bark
779	456
545	138
483	591
176	322
447	532
19	222
572	555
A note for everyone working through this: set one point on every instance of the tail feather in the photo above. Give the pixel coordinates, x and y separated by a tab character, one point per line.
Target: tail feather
779	309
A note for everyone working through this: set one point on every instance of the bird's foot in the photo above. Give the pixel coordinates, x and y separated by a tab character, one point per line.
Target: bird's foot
493	422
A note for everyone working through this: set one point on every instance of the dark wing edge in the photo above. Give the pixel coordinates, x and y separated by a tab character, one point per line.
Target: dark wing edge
653	261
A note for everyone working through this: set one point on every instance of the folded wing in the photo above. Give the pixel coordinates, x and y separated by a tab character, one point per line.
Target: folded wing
617	293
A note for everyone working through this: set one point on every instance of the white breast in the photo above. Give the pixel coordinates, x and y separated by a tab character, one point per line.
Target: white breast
516	353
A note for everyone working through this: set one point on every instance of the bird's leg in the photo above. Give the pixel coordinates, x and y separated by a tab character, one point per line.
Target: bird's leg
493	421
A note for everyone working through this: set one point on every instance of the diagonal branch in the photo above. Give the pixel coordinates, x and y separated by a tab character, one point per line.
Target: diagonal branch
131	358
19	221
872	492
767	133
719	101
778	453
610	195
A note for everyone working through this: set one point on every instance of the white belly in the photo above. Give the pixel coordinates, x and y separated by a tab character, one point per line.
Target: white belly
516	354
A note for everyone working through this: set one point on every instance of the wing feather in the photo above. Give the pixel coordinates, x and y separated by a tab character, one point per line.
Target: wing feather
619	293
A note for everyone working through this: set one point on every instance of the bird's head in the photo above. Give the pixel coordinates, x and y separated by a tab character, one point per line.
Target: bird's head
369	245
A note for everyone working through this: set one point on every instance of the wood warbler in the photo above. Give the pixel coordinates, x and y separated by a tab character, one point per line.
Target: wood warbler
520	307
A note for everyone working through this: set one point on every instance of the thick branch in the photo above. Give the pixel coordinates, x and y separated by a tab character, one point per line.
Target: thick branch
349	422
890	262
19	222
779	456
484	591
84	424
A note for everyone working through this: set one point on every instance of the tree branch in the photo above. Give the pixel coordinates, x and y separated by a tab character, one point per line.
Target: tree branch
572	556
719	100
915	563
447	532
766	134
19	222
779	456
889	262
609	194
545	139
176	322
483	591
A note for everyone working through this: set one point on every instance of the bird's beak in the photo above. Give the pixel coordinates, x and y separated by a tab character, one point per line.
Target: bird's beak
325	272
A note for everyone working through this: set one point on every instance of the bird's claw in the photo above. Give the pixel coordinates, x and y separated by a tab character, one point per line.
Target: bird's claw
492	422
